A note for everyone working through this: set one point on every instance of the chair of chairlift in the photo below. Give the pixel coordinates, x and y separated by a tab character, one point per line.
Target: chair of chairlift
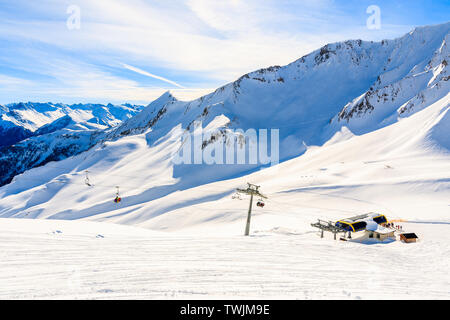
117	199
260	203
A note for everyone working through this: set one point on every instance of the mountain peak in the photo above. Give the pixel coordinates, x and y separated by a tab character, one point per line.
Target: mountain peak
166	97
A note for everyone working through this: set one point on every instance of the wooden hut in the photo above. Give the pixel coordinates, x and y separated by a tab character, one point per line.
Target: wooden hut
408	237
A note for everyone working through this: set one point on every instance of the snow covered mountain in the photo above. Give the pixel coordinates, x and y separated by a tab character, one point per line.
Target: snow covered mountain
416	74
357	84
383	103
32	134
19	121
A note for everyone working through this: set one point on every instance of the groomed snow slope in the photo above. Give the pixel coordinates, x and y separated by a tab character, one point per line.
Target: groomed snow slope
53	259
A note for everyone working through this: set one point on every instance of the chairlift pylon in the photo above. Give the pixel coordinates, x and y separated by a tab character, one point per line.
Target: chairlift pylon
86	180
118	198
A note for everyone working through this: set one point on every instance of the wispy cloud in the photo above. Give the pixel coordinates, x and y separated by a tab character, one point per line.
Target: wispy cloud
73	82
148	74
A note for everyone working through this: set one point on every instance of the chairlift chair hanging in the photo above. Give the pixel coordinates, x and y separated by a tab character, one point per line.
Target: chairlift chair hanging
260	203
118	198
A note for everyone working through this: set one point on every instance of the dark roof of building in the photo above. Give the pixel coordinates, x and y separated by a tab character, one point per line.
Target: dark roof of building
362	217
410	235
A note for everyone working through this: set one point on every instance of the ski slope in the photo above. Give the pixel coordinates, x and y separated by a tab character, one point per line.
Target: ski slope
53	259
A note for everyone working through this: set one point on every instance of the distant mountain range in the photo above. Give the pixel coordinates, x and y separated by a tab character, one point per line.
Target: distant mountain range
32	134
19	121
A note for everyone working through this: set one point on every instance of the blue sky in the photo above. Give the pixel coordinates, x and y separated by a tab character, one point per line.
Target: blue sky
132	51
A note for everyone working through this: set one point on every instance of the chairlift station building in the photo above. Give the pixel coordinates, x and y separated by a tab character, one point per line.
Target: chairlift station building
371	225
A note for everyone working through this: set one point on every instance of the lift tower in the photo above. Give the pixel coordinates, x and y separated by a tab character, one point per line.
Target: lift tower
251	190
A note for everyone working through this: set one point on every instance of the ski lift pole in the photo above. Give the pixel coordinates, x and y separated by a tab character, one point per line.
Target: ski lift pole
86	180
249	216
251	190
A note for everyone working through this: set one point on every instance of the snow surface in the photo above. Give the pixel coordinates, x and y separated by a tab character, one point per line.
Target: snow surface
52	259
